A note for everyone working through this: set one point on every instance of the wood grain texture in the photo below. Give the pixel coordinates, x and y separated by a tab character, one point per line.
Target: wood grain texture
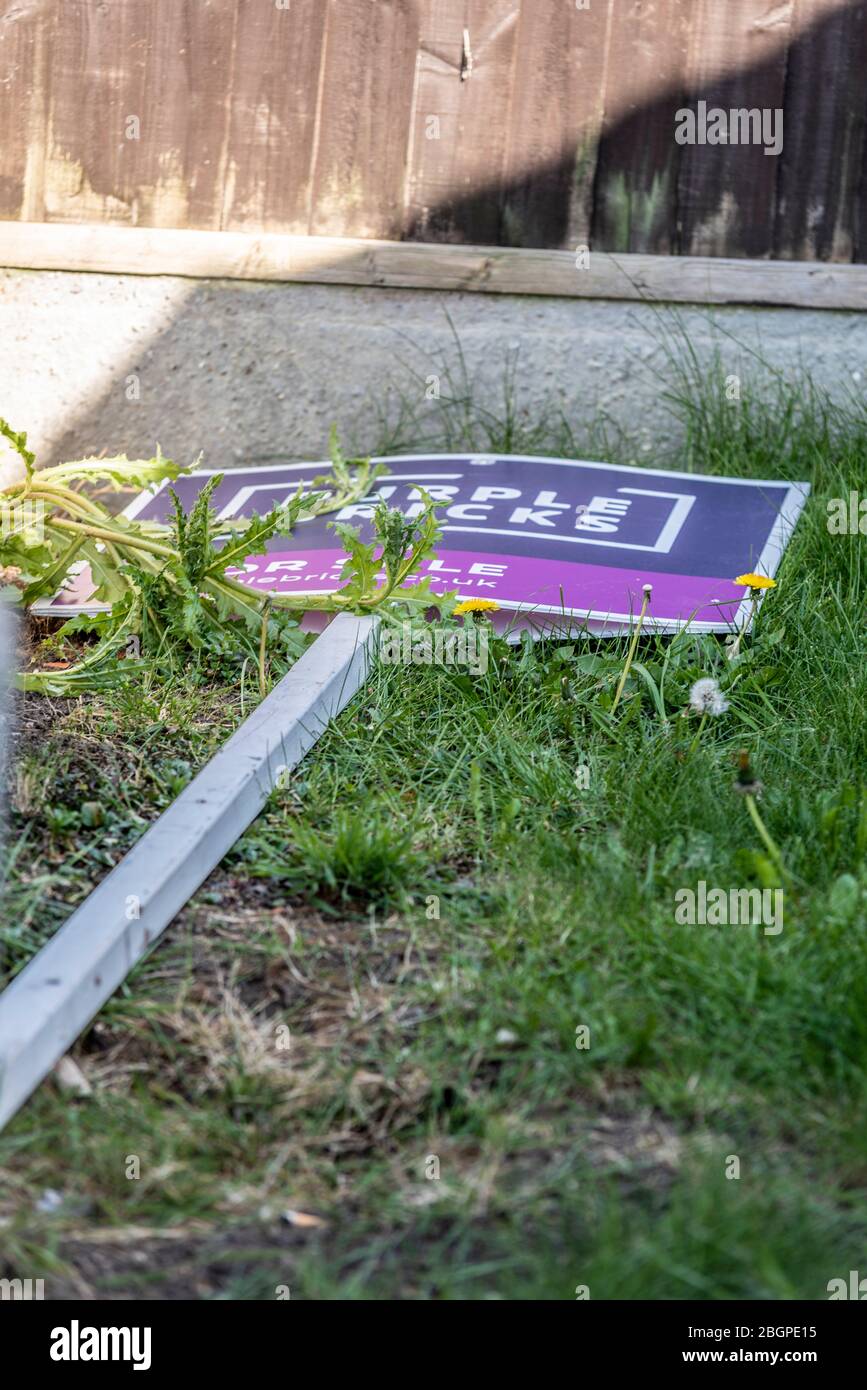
265	131
116	136
416	265
555	118
727	192
554	128
359	165
822	161
459	116
25	58
635	196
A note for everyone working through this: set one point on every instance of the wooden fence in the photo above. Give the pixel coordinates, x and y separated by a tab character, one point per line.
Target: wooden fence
512	123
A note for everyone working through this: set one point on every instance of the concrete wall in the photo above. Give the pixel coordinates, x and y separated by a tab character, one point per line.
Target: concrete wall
247	372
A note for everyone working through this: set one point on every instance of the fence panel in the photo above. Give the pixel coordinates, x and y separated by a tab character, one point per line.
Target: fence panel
529	123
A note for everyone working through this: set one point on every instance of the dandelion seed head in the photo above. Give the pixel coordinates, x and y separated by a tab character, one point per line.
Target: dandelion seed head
705	697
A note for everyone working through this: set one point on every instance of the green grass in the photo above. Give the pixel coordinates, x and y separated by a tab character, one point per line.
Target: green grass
434	906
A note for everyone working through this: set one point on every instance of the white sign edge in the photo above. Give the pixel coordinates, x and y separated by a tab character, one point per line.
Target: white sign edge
51	1001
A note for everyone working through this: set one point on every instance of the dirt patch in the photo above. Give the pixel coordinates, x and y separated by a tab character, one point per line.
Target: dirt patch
34	718
135	1263
278	991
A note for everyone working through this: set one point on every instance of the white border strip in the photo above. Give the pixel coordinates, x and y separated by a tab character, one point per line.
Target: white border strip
54	997
277	256
478	460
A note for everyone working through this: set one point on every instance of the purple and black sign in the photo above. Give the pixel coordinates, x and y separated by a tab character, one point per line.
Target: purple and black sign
537	535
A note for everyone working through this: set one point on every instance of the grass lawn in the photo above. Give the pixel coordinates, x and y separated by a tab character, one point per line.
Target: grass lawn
355	1066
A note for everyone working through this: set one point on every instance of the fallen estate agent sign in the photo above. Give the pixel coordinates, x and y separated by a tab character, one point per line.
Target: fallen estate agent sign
537	535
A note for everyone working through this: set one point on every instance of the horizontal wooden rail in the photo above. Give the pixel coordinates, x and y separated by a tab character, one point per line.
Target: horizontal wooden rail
423	265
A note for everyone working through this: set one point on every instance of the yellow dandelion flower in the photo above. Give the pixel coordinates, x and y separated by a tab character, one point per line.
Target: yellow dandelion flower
756	581
476	605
